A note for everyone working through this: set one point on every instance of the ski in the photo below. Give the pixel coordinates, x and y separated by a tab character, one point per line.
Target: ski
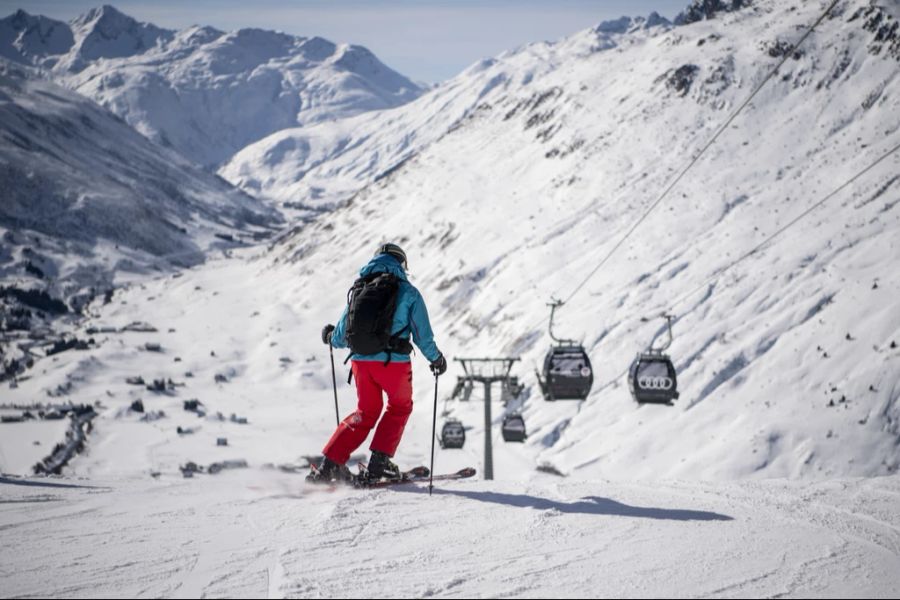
461	474
415	475
362	479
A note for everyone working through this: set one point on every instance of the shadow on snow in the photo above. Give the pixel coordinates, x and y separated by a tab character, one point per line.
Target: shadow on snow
590	505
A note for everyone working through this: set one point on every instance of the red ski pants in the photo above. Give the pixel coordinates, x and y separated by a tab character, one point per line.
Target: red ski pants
372	379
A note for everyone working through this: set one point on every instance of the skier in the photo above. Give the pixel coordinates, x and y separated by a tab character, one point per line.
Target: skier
383	310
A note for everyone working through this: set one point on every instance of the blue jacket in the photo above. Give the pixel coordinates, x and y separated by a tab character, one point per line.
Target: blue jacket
411	316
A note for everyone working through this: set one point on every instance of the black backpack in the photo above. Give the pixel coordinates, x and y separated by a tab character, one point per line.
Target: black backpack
372	302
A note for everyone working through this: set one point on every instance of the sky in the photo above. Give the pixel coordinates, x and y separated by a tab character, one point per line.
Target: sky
426	40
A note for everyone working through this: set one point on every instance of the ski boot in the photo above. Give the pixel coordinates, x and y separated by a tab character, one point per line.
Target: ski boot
381	467
328	471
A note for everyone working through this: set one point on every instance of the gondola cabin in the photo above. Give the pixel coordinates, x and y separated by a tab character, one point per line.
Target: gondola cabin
567	373
652	379
513	428
453	434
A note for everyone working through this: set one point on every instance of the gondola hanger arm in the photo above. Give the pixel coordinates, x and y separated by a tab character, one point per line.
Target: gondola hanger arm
668	317
554	304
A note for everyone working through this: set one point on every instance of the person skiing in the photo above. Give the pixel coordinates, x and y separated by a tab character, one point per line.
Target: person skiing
383	310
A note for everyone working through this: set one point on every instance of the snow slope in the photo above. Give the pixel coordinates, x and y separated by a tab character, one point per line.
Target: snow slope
109	529
264	536
204	92
788	363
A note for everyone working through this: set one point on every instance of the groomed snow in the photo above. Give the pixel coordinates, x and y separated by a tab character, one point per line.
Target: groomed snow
260	535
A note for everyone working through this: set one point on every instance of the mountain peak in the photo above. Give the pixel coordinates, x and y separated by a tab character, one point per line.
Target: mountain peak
111	11
18	20
318	48
28	38
654	19
198	35
21	19
255	81
106	32
700	10
630	24
107	14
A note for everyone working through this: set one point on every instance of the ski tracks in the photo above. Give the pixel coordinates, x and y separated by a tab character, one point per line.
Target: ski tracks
828	549
214	537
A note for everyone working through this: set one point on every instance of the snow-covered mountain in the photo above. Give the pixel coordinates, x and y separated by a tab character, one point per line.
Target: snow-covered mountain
775	473
325	163
788	363
87	201
204	92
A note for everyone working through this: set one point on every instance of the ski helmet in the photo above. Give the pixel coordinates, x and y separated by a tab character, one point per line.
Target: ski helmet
395	251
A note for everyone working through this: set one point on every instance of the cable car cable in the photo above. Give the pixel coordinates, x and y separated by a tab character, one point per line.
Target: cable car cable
772	236
696	158
782	229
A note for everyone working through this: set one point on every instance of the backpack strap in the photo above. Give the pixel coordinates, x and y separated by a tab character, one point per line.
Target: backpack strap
349	375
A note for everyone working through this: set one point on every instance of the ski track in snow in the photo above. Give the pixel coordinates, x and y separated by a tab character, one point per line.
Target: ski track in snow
238	535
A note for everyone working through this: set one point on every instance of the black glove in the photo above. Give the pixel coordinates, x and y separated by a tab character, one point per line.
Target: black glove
326	333
439	365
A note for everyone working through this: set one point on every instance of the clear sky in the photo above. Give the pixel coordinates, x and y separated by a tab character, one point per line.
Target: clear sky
426	40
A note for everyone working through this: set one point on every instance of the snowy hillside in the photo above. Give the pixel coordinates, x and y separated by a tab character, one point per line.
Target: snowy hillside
206	93
124	522
788	363
325	163
88	202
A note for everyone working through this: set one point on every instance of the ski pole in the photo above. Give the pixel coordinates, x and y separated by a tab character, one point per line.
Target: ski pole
337	415
433	435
